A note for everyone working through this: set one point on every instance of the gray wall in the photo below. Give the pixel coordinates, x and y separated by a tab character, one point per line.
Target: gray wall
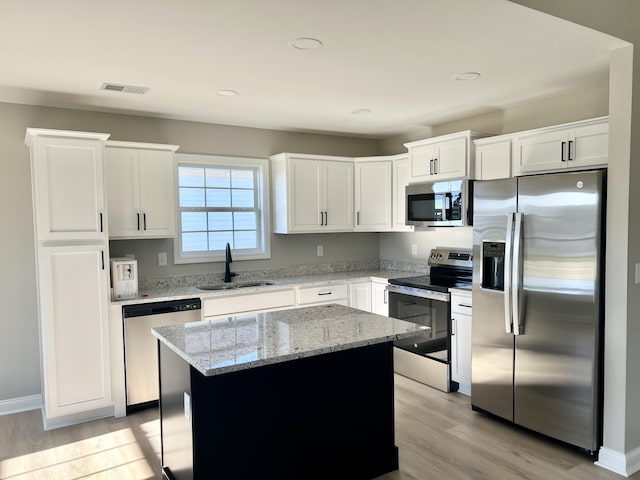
19	350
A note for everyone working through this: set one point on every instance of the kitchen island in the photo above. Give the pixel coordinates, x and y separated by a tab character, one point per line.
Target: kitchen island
303	393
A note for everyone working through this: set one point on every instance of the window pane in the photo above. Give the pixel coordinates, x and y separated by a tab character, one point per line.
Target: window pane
194	242
220	221
248	239
243	198
218	240
218	177
244	221
217	197
192	197
242	179
191	177
194	221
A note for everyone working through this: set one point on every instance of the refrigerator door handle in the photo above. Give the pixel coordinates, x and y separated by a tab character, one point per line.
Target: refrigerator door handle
507	274
516	276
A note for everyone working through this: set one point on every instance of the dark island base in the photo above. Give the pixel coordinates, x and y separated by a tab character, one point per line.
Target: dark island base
328	416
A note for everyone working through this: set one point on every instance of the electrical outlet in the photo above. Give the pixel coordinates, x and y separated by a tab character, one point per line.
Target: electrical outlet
162	259
320	250
414	249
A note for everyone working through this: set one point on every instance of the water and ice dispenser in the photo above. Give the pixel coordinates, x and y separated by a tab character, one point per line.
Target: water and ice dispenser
493	265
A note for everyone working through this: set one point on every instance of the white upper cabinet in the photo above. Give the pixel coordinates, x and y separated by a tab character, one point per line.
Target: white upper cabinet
401	178
373	194
492	158
68	185
569	146
441	158
312	193
141	190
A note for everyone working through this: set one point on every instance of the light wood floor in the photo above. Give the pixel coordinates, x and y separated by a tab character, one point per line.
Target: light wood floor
438	435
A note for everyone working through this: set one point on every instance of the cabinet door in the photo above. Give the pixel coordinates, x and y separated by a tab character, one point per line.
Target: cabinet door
373	196
401	177
338	198
74	297
304	203
379	298
123	192
360	295
69	184
423	161
589	145
493	160
544	151
451	159
157	193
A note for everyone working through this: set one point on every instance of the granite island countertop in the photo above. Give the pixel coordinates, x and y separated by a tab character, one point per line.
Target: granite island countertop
224	345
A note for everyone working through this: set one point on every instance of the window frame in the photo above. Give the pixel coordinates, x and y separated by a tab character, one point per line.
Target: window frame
261	165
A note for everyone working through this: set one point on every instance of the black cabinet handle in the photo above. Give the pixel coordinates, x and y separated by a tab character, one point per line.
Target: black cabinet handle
102	256
326	218
138	214
435	165
562	149
358	218
144	220
569	151
431	167
100	222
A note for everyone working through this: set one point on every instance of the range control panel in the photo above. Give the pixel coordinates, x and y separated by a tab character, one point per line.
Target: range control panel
450	256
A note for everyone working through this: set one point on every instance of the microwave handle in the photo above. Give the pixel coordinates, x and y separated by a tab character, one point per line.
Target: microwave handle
446	205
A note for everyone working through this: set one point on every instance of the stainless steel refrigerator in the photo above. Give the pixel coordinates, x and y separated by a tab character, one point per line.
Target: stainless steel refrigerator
538	249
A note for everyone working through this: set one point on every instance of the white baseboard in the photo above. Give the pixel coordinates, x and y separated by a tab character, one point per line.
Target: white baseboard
20	404
620	463
75	418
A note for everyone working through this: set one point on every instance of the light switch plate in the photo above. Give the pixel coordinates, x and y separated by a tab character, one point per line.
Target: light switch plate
162	259
320	250
637	273
414	249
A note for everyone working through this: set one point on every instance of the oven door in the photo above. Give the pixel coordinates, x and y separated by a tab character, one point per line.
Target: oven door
428	308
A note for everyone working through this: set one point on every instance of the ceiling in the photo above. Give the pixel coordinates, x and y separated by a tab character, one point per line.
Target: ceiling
396	58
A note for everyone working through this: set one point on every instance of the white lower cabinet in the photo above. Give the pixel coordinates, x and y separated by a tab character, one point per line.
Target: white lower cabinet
248	302
461	340
379	297
320	294
360	295
74	293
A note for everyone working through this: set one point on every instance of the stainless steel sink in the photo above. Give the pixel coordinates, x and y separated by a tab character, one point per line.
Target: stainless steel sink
231	286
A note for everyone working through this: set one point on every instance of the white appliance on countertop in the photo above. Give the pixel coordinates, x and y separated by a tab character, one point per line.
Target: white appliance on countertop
124	278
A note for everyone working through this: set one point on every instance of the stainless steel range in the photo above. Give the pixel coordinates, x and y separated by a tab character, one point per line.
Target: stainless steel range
425	300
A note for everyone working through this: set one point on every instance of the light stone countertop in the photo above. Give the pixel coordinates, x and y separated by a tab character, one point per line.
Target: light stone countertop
215	347
180	292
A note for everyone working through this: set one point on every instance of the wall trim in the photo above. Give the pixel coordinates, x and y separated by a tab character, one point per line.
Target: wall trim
20	404
620	463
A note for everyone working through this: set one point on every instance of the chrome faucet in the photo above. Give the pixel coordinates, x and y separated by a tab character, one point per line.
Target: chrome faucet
227	272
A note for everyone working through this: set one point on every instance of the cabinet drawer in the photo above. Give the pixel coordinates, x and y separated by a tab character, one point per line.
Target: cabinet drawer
461	304
322	294
249	302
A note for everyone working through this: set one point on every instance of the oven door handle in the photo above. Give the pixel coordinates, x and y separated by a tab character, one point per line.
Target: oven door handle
419	292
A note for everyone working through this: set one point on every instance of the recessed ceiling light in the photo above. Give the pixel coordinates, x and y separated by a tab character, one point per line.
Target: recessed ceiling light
466	76
227	93
361	111
305	43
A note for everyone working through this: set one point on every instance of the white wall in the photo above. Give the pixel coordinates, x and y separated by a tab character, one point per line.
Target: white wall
19	351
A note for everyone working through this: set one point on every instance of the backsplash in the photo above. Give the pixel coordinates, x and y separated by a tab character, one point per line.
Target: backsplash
254	275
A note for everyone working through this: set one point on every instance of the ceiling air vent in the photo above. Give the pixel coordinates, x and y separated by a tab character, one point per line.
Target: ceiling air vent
116	87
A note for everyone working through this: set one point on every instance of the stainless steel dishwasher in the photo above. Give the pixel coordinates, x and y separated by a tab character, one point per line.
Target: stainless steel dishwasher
140	346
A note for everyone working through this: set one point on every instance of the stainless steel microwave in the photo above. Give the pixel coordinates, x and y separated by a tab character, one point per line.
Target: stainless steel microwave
440	204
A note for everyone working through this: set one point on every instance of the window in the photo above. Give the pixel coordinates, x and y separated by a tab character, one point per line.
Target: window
222	200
